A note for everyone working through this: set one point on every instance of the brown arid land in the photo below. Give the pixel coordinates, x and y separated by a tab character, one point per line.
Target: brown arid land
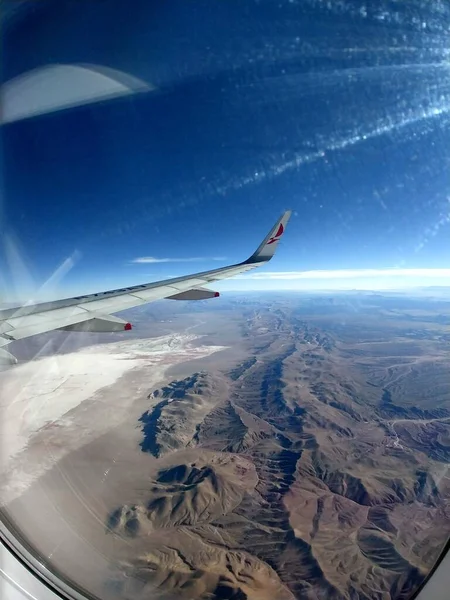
280	447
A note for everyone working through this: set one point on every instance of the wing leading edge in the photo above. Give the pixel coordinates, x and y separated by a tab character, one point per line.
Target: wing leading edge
25	321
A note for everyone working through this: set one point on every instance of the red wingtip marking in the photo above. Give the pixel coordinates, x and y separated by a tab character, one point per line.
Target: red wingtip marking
127	326
280	230
277	236
216	295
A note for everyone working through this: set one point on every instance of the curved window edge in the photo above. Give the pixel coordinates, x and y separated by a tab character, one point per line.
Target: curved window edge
16	545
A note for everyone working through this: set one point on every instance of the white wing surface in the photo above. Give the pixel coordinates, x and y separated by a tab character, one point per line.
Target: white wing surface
94	311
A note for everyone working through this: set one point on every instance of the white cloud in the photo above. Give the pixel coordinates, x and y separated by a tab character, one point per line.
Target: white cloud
349	274
145	260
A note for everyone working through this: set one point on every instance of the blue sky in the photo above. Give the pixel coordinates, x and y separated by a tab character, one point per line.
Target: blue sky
340	113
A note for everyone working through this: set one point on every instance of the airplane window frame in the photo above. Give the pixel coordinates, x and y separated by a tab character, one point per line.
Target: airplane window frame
15	542
442	556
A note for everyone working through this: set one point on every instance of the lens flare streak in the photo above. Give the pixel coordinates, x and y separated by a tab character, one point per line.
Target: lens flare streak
384	127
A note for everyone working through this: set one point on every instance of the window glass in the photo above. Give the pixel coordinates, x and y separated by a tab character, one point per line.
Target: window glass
289	436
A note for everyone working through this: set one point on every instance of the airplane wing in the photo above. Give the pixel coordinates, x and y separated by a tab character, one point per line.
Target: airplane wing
93	312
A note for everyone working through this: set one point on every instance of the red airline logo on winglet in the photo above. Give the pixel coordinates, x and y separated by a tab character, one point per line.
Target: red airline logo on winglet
277	236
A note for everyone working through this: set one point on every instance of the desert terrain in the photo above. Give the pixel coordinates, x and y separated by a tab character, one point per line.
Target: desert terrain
279	446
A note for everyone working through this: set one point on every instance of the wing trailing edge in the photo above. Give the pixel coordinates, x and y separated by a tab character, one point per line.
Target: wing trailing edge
99	324
93	312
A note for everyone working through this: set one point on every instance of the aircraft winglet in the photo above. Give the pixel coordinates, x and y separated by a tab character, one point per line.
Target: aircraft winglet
70	314
267	248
